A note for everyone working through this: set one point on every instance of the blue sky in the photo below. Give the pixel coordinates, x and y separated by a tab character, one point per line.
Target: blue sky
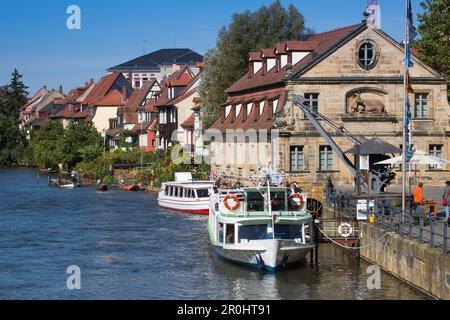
35	39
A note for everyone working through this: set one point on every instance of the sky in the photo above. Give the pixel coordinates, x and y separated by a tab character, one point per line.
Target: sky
36	40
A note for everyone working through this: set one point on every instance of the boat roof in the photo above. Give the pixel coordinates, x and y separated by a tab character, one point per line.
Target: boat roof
191	184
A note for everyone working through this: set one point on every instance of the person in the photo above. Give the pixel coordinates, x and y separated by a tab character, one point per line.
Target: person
418	196
446	200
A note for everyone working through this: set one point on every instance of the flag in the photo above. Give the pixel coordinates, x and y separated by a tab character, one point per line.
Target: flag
411	34
409	83
412	31
373	9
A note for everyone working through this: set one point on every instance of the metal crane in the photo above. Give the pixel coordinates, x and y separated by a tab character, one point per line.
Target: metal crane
380	179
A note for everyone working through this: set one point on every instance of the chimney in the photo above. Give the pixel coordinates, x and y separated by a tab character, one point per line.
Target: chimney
91	81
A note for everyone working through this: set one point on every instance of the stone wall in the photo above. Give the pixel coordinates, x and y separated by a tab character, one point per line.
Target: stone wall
419	265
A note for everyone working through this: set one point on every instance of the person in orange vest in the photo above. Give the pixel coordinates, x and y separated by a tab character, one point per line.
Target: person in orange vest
418	196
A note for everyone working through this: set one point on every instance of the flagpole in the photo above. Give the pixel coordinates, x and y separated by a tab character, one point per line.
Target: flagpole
405	124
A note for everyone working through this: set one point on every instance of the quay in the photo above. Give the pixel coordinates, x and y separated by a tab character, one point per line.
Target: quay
411	247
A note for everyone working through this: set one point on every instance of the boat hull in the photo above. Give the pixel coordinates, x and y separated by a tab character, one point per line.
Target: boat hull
270	255
192	207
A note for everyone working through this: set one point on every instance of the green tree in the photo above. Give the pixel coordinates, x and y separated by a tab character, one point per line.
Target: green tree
46	145
80	142
12	141
434	43
248	31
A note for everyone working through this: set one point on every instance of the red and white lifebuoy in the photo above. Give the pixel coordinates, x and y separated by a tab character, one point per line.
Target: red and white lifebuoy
297	204
231	202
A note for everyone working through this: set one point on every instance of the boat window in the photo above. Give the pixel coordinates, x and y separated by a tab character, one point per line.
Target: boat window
230	234
166	190
184	193
202	193
286	231
221	231
278	201
255	232
255	202
171	191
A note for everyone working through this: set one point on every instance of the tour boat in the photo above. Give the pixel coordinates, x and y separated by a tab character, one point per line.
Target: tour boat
267	228
186	195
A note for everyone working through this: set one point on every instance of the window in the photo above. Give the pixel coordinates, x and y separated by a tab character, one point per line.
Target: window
312	101
255	232
288	232
137	83
230	234
326	158
202	193
421	105
367	55
220	232
436	151
297	159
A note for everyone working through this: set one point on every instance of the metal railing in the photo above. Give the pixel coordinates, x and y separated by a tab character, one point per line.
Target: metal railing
414	223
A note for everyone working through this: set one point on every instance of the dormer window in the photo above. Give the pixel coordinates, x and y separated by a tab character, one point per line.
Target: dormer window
270	64
274	106
261	108
283	60
257	65
249	109
238	110
227	111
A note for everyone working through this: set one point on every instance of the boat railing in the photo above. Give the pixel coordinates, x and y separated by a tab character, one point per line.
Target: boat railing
259	208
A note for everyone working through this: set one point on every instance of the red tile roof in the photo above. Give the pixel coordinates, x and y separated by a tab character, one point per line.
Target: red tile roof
324	42
114	98
101	89
268	53
255	56
189	123
301	45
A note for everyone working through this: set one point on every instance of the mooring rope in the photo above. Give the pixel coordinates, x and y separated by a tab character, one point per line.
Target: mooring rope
355	248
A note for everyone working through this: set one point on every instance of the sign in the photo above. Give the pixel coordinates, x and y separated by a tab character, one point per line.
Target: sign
361	209
183	177
364	162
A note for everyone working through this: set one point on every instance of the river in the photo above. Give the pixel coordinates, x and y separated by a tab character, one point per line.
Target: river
127	248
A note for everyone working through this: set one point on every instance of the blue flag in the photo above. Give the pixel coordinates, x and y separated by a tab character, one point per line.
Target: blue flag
411	34
409	149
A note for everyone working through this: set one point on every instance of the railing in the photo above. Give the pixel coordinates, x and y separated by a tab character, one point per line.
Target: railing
416	224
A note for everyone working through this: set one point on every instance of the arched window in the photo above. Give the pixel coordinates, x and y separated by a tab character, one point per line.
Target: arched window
367	55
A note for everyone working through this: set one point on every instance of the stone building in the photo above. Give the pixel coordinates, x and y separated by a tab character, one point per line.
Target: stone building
353	76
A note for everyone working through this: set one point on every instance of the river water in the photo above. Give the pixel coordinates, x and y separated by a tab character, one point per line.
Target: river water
127	248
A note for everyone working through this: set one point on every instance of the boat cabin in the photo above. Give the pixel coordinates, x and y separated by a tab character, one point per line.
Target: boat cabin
187	191
244	216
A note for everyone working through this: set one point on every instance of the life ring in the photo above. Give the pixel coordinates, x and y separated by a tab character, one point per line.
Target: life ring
233	197
298	204
345	230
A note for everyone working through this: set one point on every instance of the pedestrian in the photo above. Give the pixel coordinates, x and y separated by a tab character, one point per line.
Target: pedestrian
446	200
418	196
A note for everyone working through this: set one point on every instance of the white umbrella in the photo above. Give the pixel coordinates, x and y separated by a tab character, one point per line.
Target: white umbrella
419	158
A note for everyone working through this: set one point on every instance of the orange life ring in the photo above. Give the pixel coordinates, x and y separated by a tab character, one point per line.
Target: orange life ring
237	203
301	200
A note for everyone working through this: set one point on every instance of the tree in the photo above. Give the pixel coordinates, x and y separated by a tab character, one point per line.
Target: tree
248	31
12	141
80	142
434	43
46	145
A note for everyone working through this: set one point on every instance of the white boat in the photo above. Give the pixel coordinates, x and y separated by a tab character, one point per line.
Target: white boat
186	195
268	228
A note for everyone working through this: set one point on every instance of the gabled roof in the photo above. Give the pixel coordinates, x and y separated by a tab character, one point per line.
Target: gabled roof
181	78
102	88
320	45
154	60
